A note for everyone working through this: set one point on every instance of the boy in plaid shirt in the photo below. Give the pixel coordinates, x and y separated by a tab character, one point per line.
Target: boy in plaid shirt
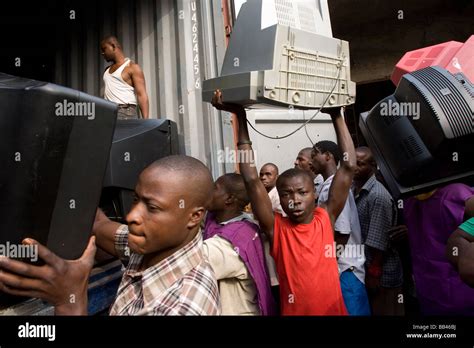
167	273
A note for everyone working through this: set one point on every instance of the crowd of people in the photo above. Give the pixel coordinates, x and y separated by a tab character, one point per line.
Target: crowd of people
317	239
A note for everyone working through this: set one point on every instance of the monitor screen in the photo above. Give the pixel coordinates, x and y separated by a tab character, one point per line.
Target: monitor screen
55	148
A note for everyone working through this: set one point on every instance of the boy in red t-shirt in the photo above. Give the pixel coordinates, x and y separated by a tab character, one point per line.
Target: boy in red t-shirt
302	241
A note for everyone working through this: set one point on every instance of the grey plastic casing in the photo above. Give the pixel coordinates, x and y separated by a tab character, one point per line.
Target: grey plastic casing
282	66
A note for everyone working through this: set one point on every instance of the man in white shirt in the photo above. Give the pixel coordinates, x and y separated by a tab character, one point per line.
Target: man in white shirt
348	245
269	176
124	81
303	161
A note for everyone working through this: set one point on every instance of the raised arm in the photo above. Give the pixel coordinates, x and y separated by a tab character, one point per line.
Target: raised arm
261	204
342	181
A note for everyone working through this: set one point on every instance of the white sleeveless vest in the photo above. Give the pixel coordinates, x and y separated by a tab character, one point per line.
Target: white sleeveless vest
116	89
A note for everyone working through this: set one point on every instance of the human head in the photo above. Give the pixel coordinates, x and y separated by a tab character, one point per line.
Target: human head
169	205
325	155
229	194
269	175
296	190
366	165
110	47
303	161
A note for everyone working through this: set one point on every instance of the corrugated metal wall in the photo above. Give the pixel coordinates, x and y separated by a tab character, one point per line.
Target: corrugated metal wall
177	43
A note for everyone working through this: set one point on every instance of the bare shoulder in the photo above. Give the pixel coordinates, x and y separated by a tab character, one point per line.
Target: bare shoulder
134	67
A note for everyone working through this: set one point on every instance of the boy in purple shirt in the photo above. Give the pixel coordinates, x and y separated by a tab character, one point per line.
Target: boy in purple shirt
431	218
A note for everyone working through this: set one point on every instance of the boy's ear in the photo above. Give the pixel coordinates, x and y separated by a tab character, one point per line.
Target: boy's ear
229	199
196	216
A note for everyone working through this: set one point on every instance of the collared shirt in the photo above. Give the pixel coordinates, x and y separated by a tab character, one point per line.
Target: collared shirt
377	214
243	216
318	181
353	254
181	284
237	289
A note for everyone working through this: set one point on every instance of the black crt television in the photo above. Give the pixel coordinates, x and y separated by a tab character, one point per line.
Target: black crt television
136	144
54	153
422	136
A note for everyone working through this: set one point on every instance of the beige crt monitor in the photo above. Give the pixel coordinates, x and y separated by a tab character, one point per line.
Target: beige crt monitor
282	53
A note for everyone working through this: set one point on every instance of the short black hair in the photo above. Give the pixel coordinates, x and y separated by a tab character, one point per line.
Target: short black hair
331	147
291	173
234	184
271	165
112	40
197	178
306	150
370	156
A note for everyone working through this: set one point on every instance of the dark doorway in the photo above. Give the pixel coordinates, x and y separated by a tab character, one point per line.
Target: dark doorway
367	96
29	34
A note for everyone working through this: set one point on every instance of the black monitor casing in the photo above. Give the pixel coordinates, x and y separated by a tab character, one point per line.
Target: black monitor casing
417	153
53	163
136	144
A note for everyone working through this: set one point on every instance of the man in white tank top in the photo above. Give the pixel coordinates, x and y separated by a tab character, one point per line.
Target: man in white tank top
124	81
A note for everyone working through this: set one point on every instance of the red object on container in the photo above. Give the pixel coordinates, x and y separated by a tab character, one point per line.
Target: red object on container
453	56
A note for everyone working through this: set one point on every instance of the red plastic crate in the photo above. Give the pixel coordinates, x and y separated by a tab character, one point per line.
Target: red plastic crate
453	56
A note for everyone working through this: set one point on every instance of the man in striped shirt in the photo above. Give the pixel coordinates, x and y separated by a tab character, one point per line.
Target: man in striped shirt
181	284
166	272
377	215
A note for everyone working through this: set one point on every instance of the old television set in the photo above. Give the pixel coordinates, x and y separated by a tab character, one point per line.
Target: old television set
282	53
422	136
135	145
55	147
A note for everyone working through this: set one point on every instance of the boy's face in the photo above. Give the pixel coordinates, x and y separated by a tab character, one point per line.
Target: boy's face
219	196
161	218
268	176
318	161
107	51
297	198
364	169
303	161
